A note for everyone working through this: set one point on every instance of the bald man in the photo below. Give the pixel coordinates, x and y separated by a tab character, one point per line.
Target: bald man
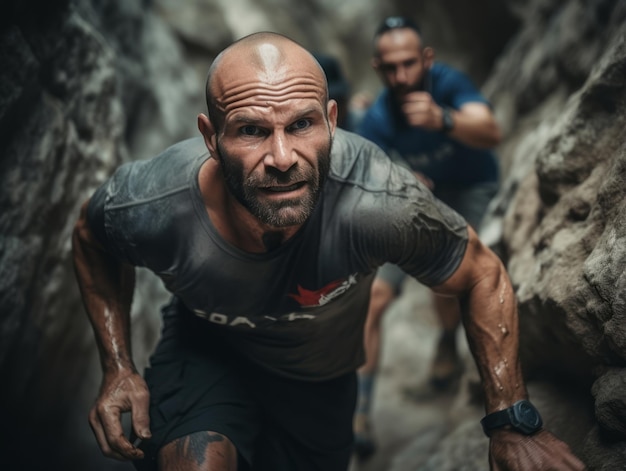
268	232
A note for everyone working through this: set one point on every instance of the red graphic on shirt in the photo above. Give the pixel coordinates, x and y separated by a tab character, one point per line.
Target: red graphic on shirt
307	298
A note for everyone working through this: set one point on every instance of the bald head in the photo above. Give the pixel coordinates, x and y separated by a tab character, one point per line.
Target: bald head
267	65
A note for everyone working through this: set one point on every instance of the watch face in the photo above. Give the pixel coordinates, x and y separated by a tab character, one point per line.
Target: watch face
527	417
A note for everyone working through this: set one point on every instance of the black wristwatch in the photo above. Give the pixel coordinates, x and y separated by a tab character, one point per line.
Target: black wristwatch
447	119
521	416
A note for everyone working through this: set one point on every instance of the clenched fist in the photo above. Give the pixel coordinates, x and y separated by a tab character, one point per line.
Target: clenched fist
421	111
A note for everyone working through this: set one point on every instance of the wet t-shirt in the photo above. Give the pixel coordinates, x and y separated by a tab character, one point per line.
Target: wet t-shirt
297	310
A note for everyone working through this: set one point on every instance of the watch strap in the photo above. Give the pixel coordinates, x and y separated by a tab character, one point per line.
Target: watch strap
521	416
446	119
496	420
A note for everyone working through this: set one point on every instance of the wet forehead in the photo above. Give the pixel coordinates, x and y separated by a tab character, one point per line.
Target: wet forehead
267	75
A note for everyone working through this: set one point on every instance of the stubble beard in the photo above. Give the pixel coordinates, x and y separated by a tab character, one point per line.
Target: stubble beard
286	212
400	92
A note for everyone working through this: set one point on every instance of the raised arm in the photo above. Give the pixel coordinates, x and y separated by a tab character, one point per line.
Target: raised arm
489	311
473	124
107	287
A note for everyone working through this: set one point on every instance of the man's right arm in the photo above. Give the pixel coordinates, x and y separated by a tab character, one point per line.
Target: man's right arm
107	286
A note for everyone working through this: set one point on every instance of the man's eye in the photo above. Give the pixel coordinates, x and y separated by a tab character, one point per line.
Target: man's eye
249	130
301	124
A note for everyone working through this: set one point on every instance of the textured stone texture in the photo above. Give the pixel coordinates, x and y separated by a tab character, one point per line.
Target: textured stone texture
608	392
73	80
563	230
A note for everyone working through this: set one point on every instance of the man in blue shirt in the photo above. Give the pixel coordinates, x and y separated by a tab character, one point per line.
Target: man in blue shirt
433	120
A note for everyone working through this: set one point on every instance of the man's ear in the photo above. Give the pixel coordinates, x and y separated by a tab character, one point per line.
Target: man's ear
375	63
208	133
331	110
428	54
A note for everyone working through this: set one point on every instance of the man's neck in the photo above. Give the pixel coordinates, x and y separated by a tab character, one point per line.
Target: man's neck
272	240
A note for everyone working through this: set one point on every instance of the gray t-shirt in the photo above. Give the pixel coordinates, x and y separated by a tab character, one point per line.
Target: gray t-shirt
297	310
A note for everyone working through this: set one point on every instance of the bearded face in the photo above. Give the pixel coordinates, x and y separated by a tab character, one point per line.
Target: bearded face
260	191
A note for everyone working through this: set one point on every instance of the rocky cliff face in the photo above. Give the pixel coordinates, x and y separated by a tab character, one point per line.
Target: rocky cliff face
564	229
86	85
78	96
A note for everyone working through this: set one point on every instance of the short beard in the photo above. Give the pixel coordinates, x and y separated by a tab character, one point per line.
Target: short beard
401	92
281	213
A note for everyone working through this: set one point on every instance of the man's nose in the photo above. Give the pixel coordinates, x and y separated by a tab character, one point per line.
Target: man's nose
281	154
401	76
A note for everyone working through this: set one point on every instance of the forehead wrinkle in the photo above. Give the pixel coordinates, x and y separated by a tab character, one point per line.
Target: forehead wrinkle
261	93
241	117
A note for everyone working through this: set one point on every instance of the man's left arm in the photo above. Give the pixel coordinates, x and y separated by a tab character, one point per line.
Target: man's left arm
489	310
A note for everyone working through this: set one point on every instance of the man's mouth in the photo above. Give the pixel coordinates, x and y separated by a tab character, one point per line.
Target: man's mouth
284	188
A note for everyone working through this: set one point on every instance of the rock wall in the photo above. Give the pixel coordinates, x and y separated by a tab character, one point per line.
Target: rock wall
88	84
78	96
564	231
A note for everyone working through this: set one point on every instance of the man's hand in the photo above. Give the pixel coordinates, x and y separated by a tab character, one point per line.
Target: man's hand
510	451
119	393
421	111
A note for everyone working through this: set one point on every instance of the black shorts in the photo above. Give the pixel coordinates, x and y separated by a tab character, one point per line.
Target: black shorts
197	384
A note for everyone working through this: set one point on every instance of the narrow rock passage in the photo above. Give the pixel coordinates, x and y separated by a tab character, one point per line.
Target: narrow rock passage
407	431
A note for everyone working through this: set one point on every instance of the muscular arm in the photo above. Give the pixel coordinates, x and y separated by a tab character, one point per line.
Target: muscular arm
490	319
475	126
489	311
107	286
474	123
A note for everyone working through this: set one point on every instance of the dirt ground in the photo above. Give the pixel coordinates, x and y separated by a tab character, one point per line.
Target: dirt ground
407	430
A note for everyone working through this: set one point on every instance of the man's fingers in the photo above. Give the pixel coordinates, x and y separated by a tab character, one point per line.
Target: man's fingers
572	462
117	442
417	97
98	431
140	416
415	107
420	110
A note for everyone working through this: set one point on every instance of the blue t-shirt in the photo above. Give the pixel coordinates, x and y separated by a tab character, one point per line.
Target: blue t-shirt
432	153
